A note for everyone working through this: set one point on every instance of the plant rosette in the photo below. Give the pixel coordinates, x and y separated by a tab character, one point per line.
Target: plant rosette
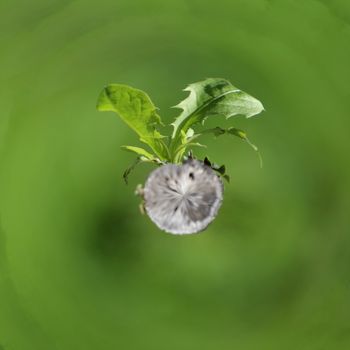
183	195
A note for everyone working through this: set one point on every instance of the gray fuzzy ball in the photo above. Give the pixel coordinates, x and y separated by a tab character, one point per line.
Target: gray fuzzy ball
183	199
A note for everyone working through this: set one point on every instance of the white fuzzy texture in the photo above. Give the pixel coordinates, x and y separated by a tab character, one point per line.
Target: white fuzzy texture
183	199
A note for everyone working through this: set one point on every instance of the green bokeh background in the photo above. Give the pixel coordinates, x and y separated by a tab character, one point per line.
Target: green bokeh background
80	268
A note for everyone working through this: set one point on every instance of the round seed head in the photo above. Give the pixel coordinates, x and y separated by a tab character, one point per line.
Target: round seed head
183	199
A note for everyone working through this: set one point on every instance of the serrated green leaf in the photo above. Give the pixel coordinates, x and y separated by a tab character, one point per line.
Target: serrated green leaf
136	109
213	96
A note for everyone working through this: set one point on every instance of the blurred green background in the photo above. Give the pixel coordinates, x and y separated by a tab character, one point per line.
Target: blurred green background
80	268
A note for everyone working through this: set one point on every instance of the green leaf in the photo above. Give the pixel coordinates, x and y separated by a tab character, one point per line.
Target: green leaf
139	160
143	157
227	178
139	151
130	169
221	170
210	97
136	109
186	142
242	135
182	149
207	161
217	131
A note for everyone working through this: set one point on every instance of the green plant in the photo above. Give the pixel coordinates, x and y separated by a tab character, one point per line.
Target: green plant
211	97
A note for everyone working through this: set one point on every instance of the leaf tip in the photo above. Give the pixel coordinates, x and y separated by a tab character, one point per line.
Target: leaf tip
227	178
103	101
